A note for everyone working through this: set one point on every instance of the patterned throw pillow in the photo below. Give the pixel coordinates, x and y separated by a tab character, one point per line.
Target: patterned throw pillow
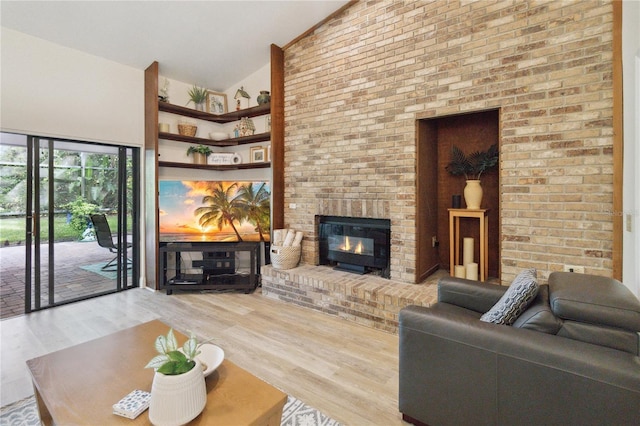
515	300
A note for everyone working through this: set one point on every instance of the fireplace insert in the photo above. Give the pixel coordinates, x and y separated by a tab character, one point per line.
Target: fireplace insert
360	245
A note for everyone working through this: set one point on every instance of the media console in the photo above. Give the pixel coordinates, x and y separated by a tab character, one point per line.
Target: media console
220	267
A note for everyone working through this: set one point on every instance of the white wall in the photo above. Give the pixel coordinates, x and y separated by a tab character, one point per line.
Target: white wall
252	84
51	90
631	178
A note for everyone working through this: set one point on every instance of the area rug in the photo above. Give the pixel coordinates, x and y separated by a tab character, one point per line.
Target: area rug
96	268
295	413
20	413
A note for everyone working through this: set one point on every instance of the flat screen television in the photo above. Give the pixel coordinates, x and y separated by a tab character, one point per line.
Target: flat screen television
214	210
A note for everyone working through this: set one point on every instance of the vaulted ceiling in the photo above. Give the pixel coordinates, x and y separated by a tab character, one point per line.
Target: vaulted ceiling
209	43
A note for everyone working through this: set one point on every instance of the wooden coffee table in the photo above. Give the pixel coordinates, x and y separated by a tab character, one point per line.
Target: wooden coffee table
79	385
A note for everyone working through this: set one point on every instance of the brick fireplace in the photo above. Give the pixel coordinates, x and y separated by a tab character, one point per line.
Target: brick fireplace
358	245
358	87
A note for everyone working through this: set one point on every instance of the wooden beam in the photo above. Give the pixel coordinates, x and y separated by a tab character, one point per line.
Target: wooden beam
151	174
277	137
312	29
618	142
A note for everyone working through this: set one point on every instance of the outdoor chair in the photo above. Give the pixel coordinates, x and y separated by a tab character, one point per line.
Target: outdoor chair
103	235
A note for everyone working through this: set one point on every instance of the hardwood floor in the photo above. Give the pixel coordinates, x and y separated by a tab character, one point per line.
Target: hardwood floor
348	371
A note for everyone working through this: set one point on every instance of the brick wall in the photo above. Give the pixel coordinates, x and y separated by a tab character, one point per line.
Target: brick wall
355	87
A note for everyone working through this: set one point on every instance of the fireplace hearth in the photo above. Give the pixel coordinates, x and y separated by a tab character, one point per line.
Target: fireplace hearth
359	245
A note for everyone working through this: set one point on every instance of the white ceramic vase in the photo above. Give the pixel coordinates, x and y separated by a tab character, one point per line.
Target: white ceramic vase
473	194
176	400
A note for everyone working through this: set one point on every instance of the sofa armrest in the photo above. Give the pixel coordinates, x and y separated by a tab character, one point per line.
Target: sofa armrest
474	295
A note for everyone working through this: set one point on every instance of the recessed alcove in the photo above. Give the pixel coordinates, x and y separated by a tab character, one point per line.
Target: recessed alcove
435	187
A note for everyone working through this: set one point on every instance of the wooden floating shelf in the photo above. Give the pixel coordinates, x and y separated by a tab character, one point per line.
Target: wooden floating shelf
263	109
260	137
214	167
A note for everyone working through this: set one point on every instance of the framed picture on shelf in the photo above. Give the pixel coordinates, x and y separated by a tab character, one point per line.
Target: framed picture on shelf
257	154
267	123
216	102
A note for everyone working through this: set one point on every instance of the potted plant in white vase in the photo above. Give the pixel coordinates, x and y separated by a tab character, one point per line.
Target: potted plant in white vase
198	95
200	153
178	392
472	166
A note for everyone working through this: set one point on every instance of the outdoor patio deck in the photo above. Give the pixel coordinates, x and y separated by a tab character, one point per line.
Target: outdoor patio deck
71	280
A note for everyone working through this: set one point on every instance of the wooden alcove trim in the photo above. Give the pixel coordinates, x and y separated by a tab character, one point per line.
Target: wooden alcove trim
618	142
277	137
151	173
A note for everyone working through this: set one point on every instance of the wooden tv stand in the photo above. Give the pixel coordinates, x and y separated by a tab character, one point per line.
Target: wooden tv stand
218	272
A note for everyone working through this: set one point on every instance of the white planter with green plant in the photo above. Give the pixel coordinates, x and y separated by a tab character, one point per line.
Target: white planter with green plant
198	95
178	392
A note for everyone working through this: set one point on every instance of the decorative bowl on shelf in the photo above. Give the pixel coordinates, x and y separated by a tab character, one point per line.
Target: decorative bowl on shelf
218	136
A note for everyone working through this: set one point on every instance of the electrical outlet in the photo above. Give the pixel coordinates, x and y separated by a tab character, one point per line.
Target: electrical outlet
629	223
574	268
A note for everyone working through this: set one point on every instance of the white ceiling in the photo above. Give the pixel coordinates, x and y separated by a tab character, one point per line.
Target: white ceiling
209	43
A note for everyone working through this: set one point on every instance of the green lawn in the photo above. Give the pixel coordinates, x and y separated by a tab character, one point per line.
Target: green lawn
12	230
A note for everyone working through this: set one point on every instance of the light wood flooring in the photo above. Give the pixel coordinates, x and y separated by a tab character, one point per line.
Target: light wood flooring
348	371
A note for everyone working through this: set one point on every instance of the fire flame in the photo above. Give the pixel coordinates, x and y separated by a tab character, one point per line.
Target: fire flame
347	246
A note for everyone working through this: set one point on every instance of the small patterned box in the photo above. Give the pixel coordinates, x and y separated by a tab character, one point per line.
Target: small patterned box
132	405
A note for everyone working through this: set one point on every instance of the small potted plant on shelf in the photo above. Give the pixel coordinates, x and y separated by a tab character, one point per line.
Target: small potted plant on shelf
472	166
178	391
200	153
198	95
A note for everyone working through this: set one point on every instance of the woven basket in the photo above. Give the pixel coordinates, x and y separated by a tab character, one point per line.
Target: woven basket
187	129
285	257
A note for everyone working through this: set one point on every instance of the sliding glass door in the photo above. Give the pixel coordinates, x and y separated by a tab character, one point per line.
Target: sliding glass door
65	183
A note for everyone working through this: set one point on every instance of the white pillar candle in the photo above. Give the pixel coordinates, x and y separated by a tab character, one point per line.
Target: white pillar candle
472	271
459	271
467	251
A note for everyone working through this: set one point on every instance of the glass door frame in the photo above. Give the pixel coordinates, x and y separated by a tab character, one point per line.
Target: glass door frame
33	264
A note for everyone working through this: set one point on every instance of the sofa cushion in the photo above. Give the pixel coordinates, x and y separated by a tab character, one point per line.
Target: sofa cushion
538	315
515	300
611	337
593	299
